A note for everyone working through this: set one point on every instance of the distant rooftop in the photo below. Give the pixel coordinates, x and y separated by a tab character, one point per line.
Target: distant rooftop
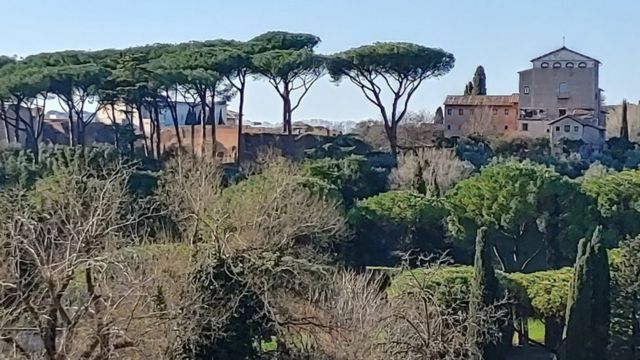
482	100
564	48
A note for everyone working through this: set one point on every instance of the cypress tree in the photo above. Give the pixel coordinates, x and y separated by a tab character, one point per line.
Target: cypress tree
439	117
468	90
624	126
625	301
484	292
479	82
588	307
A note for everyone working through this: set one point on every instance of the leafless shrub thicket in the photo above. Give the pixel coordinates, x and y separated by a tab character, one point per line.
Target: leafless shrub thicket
67	291
354	319
439	169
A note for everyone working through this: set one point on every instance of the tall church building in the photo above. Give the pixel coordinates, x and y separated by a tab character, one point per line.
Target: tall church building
560	97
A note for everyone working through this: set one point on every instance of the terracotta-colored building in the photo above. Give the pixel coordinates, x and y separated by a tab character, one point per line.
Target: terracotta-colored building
480	114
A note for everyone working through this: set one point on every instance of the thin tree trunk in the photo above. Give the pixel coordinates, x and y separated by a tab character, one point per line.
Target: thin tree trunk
193	139
81	128
48	333
116	133
284	116
392	135
142	129
203	124
152	133
174	117
158	132
72	128
240	115
212	114
5	120
7	134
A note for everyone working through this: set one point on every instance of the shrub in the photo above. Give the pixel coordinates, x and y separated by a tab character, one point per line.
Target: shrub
547	291
17	168
617	197
354	177
396	222
437	169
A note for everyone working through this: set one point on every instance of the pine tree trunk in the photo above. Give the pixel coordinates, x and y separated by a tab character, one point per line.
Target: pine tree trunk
240	116
212	114
203	124
156	112
5	120
116	133
193	139
72	129
142	129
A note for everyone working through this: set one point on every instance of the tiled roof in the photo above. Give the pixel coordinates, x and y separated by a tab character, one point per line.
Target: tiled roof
583	122
566	48
482	100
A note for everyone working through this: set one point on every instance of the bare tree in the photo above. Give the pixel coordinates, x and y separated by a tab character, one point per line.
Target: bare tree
355	319
65	280
438	169
480	122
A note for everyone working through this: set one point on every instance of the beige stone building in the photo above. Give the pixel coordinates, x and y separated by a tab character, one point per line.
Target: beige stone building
480	114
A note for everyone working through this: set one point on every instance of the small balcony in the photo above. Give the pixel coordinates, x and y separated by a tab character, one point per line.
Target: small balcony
532	114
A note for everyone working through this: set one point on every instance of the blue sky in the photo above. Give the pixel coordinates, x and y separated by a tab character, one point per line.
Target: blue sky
502	35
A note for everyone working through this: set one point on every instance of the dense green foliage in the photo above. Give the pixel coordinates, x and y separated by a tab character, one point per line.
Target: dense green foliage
625	302
547	291
519	202
617	196
391	224
355	177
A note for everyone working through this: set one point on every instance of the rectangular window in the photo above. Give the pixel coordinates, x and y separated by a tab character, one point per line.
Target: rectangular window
495	111
506	112
563	88
460	112
557	128
506	127
562	112
567	128
448	127
576	129
449	112
525	127
526	90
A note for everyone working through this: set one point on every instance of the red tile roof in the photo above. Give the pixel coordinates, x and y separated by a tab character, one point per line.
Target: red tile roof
482	100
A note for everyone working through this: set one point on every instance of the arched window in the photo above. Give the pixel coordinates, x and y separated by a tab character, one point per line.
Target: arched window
557	65
544	65
570	65
582	65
